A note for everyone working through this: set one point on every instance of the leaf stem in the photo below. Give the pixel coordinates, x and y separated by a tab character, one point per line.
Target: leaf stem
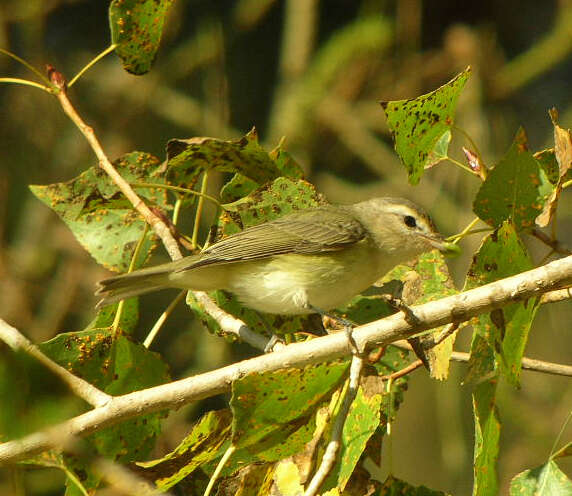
560	433
457	237
134	258
91	63
161	320
199	211
177	211
26	82
227	454
27	65
462	166
179	189
470	140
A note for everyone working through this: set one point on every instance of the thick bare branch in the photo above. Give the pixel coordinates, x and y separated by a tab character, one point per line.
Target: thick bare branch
456	308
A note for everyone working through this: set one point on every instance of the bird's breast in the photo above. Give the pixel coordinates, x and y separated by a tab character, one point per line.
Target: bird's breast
288	284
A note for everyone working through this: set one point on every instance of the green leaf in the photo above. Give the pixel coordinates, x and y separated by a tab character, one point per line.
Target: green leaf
98	214
136	28
362	421
238	187
112	362
187	158
427	279
397	487
487	435
421	126
286	164
208	440
365	308
276	402
515	189
501	255
546	480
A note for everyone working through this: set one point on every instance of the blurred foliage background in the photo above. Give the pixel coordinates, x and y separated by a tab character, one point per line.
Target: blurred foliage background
312	72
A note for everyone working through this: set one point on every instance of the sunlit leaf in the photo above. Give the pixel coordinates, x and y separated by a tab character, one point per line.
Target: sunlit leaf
421	127
100	216
515	189
136	29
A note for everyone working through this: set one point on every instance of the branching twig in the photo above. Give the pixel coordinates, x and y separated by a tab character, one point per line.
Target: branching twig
527	363
13	338
330	454
555	296
153	220
226	321
404	371
455	308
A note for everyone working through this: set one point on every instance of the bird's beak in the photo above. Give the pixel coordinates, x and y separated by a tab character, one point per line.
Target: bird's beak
445	247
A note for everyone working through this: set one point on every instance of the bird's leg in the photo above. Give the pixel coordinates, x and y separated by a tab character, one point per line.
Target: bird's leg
274	339
347	324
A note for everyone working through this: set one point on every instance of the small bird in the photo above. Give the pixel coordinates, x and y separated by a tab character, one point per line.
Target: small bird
308	261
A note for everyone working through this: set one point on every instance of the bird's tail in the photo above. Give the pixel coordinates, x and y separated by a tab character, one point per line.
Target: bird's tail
133	284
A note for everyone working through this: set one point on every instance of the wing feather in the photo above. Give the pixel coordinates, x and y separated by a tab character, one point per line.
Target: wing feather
309	231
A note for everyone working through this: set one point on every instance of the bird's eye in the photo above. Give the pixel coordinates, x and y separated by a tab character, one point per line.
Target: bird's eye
410	221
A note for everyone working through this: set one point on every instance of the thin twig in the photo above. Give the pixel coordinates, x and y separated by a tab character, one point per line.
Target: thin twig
556	245
220	465
457	237
527	363
17	341
161	320
26	64
178	189
555	296
199	211
404	371
330	454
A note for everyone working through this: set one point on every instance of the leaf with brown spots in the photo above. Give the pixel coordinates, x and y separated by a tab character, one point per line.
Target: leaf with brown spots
421	127
98	214
563	156
188	158
501	255
136	28
516	189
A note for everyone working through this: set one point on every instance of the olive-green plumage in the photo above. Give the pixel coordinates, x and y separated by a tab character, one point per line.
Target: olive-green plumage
314	258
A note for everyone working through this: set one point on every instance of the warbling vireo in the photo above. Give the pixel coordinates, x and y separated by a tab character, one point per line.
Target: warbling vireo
308	260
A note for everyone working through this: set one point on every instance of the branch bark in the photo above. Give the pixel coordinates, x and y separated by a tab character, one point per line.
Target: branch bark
456	308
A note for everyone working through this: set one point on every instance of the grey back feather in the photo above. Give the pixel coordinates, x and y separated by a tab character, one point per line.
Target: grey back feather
310	231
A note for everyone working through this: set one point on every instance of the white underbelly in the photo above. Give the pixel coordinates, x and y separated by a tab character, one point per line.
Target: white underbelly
290	284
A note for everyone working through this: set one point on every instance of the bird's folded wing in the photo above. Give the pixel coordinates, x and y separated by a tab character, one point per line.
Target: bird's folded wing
312	231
